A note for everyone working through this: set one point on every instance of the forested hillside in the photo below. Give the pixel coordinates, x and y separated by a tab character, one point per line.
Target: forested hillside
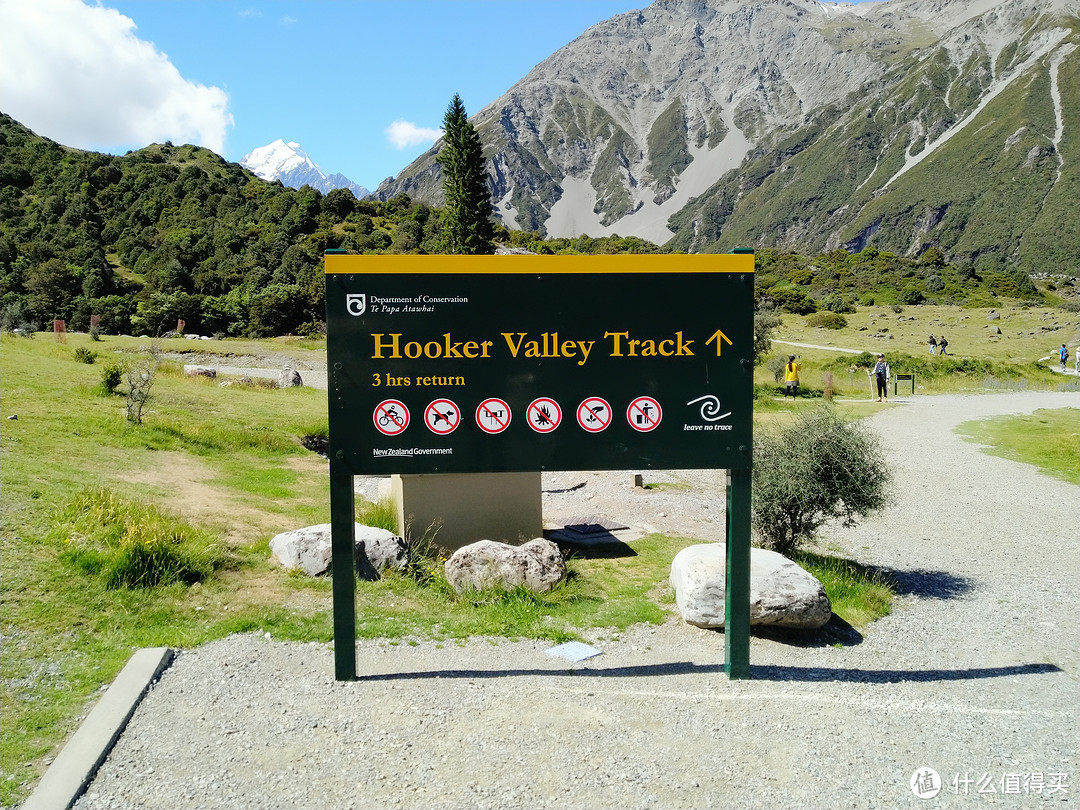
176	232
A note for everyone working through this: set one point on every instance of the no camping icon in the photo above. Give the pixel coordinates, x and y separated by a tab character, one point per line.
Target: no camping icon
442	416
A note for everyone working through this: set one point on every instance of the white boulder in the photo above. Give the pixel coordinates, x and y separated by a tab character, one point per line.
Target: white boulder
309	549
538	565
781	592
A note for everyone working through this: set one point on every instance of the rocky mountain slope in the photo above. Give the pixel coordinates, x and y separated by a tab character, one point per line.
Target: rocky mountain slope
792	123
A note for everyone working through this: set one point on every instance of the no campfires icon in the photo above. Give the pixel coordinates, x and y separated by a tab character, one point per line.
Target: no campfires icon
644	414
594	414
442	416
391	417
544	415
493	415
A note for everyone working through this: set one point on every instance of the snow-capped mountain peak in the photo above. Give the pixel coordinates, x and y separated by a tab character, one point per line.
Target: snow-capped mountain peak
290	164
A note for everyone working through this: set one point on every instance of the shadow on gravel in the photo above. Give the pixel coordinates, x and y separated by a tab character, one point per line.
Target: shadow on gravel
926	583
775	673
643	671
757	672
835	632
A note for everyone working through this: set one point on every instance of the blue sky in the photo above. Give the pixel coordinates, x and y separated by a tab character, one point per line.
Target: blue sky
334	75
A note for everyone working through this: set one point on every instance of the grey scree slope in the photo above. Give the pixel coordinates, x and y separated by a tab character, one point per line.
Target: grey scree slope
975	673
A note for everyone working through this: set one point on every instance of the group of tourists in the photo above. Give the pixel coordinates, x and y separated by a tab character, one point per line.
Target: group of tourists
938	345
880	374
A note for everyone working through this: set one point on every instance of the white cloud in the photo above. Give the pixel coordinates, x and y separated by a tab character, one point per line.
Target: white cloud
287	20
403	134
78	74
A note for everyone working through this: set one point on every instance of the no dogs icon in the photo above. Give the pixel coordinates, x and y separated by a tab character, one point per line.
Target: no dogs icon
442	416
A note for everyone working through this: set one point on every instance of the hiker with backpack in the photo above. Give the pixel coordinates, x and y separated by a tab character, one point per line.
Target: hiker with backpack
880	375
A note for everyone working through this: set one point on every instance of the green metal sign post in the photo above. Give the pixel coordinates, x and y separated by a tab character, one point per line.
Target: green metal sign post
468	364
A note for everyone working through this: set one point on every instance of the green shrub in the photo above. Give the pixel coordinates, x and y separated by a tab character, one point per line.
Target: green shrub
793	301
911	295
776	365
838	304
83	355
132	545
812	470
111	377
829	320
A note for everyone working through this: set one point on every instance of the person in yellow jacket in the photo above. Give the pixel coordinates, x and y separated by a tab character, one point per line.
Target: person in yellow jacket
791	377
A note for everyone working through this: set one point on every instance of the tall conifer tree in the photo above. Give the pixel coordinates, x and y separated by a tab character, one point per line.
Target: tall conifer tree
467	225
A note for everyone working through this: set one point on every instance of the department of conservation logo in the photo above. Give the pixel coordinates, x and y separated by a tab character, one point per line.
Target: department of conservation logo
356	303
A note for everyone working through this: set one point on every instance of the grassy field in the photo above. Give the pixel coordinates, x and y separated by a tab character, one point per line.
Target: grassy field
230	462
979	359
1047	439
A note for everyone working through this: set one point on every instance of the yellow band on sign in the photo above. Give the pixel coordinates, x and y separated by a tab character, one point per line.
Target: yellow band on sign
618	263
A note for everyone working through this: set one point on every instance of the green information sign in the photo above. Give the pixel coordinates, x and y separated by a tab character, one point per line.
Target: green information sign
465	364
450	364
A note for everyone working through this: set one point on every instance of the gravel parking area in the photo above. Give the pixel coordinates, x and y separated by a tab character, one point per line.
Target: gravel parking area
976	674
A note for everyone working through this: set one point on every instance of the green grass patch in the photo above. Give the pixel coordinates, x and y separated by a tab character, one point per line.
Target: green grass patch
1047	439
131	544
858	594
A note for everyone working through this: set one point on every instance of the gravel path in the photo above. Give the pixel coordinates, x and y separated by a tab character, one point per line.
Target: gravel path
976	674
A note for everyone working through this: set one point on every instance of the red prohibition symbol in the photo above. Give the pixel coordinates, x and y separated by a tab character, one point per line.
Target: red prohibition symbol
544	415
391	417
594	414
493	415
644	414
442	416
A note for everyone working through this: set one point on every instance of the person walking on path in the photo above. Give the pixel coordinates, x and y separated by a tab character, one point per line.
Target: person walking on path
1063	356
791	377
880	375
942	343
1076	360
933	345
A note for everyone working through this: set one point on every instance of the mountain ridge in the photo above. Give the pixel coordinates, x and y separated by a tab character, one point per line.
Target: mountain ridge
633	126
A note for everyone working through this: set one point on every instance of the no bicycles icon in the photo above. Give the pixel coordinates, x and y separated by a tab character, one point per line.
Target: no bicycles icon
391	417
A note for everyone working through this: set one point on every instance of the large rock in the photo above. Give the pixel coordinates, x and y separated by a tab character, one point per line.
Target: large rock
781	592
289	378
538	565
309	549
